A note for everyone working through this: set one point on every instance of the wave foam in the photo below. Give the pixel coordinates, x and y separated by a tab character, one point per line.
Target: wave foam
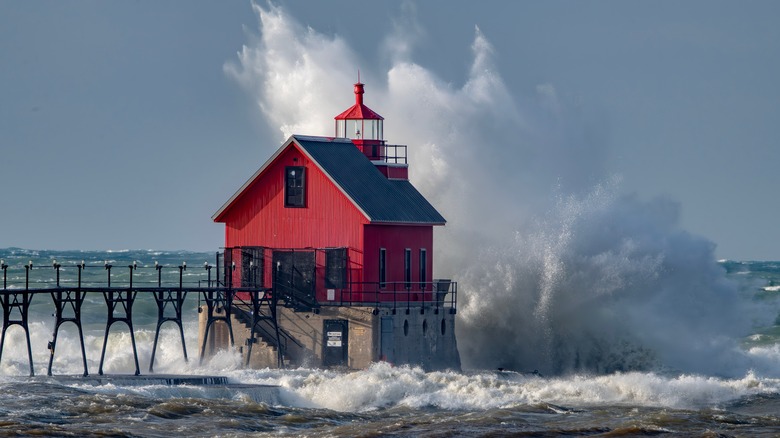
383	386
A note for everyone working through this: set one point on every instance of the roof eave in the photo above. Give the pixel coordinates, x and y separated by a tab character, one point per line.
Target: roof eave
218	216
358	112
329	176
435	224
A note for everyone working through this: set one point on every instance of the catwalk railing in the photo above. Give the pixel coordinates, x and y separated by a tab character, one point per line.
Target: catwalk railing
230	290
381	151
400	295
167	287
310	278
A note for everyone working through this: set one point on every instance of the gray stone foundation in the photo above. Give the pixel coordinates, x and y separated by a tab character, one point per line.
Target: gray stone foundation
356	337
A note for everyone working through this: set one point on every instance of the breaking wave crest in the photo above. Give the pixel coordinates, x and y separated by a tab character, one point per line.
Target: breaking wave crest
605	283
383	386
559	271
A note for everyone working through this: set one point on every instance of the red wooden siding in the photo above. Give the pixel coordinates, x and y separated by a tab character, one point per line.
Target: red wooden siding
394	172
259	217
395	239
329	219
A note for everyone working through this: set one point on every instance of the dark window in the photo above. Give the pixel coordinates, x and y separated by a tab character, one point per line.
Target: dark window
423	268
336	268
408	268
294	277
382	267
295	186
252	267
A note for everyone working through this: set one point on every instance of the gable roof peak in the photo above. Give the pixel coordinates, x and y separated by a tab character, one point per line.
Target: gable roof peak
381	200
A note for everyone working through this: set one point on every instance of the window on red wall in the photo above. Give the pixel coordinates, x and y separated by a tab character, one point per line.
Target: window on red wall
423	268
295	186
382	267
408	268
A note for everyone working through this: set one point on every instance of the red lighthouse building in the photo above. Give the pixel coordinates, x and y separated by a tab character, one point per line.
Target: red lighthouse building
332	228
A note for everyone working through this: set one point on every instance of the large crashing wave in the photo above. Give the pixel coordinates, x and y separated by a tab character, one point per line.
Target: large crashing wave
603	283
558	271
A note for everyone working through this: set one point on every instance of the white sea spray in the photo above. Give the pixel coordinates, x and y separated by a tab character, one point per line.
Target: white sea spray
559	270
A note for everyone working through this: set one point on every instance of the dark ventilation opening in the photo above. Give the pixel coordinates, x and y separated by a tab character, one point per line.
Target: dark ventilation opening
443	327
425	326
406	328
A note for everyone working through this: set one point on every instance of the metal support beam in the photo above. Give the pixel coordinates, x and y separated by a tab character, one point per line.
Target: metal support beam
65	300
264	299
219	304
19	302
119	300
175	299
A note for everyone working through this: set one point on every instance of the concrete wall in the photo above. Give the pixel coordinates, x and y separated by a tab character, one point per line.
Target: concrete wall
420	337
424	338
307	328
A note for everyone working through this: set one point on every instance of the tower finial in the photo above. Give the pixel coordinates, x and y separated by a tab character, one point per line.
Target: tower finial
358	76
359	93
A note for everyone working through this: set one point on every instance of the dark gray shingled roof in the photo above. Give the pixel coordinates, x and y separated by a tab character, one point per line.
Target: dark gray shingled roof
383	200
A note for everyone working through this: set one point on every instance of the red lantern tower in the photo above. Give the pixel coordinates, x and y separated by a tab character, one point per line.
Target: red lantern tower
363	126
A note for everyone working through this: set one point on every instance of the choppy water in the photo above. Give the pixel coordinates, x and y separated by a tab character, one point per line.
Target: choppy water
382	400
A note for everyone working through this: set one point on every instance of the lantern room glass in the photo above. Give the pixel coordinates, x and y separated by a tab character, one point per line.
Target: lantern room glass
360	129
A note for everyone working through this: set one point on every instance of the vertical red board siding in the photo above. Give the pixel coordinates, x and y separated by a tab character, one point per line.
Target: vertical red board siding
394	172
258	216
396	239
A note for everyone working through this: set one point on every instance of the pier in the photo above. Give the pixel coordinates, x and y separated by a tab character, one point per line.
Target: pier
68	292
283	298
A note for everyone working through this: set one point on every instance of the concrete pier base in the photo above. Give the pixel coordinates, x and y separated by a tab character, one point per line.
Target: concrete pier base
420	336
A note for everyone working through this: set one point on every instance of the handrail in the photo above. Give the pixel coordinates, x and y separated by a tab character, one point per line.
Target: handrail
442	293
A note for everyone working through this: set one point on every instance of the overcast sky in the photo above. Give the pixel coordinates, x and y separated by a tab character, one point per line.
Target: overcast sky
121	125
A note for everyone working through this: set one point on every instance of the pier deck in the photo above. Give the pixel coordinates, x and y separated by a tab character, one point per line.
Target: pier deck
68	298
